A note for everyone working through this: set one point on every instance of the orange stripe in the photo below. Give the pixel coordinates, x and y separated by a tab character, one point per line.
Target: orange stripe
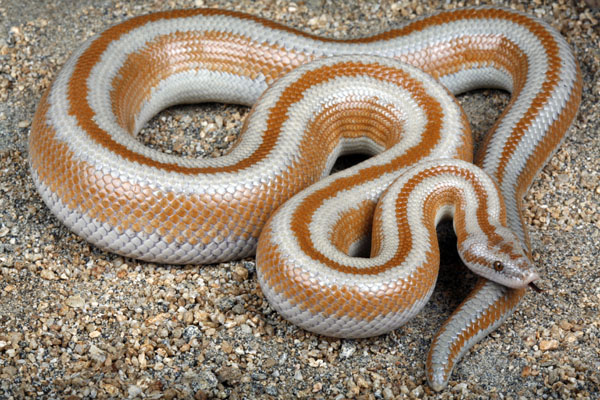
491	314
297	286
541	98
167	55
78	87
200	218
341	301
303	215
548	146
353	225
195	218
304	212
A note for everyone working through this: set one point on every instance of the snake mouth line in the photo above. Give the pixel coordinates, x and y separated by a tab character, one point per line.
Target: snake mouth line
534	287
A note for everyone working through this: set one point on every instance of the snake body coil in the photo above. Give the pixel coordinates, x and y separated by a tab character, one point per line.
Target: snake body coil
126	198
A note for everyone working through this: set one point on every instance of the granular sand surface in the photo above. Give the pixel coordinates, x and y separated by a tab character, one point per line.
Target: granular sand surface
77	322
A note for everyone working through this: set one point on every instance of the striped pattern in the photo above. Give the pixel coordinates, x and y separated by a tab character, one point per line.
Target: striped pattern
129	199
322	289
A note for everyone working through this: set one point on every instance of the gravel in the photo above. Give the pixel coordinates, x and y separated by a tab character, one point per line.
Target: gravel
76	322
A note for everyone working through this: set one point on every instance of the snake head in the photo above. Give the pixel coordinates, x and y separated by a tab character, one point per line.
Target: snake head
499	258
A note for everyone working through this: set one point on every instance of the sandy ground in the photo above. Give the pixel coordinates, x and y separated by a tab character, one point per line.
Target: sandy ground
77	322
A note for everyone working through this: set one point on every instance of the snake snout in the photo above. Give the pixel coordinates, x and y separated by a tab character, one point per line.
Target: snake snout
530	278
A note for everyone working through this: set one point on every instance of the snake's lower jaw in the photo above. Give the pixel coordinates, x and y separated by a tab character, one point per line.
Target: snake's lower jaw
521	283
535	287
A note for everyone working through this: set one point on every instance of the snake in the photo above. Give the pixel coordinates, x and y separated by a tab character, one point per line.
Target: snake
346	254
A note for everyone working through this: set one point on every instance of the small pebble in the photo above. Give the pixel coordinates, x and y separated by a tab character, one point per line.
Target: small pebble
134	391
546	345
75	301
348	349
96	354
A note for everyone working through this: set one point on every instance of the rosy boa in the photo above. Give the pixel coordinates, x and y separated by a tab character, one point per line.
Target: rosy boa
311	259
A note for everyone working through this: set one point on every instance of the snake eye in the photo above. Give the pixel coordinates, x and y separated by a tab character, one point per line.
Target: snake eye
498	266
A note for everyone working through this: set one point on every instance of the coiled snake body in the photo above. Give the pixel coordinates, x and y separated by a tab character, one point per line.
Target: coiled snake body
340	97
